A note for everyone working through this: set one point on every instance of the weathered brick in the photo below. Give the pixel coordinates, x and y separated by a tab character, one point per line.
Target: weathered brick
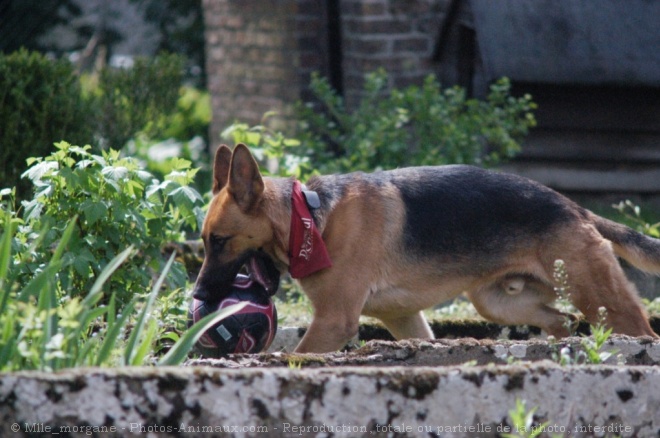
310	7
368	46
378	26
412	44
232	22
310	60
362	8
410	7
212	39
403	81
269	24
310	26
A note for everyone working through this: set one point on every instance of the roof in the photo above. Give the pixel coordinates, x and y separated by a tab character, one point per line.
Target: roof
570	42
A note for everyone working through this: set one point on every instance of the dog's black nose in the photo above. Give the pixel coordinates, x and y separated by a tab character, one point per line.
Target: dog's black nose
201	294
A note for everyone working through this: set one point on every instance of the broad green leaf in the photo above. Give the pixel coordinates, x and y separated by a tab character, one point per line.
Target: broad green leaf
115	173
82	265
36	172
186	196
180	163
93	211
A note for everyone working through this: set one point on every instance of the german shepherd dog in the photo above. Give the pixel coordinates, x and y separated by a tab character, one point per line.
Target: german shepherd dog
404	240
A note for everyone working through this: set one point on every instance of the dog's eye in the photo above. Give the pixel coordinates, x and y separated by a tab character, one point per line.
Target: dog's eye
218	242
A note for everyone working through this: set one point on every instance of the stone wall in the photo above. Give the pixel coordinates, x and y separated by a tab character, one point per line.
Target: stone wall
352	401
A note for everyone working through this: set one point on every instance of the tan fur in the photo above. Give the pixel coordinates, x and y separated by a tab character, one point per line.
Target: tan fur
372	275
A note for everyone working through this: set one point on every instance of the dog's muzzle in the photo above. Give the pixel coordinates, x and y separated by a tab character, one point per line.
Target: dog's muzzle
215	282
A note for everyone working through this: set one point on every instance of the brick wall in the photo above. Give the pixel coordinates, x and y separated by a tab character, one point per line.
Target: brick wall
260	54
397	35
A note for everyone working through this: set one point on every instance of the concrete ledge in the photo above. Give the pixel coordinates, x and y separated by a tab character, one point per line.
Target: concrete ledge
287	338
448	352
351	402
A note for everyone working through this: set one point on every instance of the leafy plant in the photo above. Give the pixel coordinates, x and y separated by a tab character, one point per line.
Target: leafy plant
414	126
591	352
280	154
652	306
594	344
185	134
523	422
43	101
138	99
40	102
295	364
119	205
192	116
633	214
39	331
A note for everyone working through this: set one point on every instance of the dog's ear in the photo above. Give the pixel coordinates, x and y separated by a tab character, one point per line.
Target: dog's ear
221	168
245	182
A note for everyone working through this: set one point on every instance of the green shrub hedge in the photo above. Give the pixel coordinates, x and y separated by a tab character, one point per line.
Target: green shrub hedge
417	125
43	102
40	103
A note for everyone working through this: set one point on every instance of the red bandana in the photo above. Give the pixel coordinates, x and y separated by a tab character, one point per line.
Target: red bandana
307	252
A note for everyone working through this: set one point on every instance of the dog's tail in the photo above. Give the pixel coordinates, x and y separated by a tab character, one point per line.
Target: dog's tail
641	251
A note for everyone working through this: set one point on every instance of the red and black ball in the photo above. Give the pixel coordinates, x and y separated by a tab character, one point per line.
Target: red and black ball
250	330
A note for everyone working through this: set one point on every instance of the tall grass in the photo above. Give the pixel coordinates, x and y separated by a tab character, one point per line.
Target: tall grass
39	331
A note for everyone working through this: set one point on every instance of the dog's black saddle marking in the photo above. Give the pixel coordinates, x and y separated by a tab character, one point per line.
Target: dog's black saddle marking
463	210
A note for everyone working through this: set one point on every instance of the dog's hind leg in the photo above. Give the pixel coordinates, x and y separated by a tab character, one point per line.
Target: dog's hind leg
597	280
521	300
408	327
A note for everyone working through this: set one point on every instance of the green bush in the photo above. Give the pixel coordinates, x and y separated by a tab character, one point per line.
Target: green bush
138	99
119	205
632	216
186	132
192	116
43	102
279	154
415	126
40	103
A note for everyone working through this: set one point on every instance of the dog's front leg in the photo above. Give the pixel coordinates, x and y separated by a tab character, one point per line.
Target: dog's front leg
325	335
337	309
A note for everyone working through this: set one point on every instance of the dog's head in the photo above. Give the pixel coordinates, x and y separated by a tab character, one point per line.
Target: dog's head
236	228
